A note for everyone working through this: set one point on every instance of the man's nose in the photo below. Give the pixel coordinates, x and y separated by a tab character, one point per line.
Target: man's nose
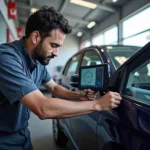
56	51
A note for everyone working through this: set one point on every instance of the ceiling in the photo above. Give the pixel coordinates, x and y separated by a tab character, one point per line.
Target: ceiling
78	16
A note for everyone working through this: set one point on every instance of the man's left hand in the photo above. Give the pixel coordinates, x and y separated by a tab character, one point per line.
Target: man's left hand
87	95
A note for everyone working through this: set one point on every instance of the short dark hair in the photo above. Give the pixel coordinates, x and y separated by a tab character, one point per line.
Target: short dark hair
45	20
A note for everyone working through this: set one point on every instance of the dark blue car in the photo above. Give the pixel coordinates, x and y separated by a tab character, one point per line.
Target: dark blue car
124	128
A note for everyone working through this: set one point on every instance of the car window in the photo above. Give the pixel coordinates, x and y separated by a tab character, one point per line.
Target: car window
120	54
72	66
91	58
138	83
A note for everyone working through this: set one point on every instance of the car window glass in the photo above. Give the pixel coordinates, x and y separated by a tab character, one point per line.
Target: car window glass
73	65
91	58
120	54
66	67
138	84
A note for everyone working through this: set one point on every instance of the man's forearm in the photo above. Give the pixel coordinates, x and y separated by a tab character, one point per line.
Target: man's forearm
62	92
47	108
57	108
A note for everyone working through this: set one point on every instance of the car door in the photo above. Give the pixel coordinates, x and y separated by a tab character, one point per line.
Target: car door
69	69
84	127
128	126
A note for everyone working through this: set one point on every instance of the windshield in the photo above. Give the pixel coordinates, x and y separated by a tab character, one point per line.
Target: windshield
120	54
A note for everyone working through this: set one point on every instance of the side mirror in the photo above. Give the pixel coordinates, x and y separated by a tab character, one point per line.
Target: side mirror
74	80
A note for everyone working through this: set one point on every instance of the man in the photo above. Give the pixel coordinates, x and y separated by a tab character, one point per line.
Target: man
22	70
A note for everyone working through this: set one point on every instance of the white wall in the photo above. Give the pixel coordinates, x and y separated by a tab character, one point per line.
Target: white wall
3	30
70	47
10	22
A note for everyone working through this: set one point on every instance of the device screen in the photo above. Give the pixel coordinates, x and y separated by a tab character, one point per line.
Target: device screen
92	77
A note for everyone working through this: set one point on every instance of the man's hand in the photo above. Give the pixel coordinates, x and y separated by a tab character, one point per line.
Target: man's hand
87	94
109	101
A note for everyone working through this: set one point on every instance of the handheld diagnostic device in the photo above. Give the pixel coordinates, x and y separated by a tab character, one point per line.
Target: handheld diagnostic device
94	77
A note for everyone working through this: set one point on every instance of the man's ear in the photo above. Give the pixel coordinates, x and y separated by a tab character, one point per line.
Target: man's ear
36	38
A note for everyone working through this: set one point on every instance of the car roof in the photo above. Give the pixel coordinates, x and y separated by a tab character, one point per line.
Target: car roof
104	47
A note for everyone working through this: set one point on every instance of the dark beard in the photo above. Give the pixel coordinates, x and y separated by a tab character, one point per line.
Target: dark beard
38	55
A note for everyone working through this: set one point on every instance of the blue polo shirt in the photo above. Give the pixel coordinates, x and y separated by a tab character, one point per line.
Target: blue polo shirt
19	75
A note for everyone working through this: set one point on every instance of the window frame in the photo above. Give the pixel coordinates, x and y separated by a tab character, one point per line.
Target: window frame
134	62
69	61
96	36
106	30
92	50
128	17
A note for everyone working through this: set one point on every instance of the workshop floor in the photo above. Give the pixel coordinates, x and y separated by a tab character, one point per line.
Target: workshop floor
41	133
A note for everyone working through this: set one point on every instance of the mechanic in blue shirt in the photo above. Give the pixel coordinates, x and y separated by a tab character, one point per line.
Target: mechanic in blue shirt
22	71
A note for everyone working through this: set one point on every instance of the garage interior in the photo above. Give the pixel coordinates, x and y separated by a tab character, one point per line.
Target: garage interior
97	22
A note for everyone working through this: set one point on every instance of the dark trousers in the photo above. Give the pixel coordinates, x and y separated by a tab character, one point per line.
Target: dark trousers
10	147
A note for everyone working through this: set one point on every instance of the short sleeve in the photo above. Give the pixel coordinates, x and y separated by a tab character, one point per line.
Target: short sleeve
14	83
45	76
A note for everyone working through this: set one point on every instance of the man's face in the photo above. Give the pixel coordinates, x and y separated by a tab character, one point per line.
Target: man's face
49	47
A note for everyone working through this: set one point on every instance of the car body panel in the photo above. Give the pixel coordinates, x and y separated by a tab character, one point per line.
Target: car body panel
128	125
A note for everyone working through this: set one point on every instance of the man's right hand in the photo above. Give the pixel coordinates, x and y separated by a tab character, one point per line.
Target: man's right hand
109	101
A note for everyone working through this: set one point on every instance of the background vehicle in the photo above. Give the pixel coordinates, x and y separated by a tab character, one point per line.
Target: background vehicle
127	127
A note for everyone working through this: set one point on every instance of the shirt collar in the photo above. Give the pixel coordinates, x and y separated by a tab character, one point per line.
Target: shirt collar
32	64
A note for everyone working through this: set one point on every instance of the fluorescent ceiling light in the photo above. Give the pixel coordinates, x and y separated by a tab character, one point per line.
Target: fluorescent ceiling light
91	24
84	3
114	1
79	34
33	10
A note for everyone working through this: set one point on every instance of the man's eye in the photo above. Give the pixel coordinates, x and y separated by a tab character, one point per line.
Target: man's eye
54	46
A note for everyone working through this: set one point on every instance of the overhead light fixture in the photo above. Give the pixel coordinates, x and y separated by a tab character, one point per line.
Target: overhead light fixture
33	10
114	1
84	3
79	34
91	24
